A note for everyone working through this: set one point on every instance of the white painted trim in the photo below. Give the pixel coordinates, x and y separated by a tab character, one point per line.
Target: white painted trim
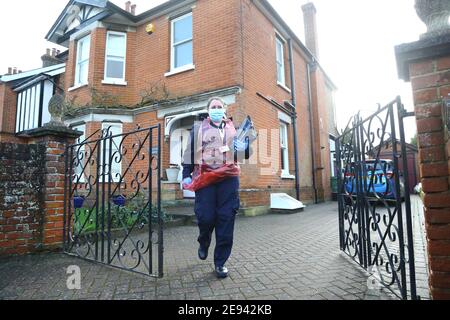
118	81
287	176
284	117
77	87
284	87
85	31
115	82
279	35
173	120
185	68
100	118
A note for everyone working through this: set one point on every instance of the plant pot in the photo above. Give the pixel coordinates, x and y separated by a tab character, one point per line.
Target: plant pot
119	201
78	202
172	174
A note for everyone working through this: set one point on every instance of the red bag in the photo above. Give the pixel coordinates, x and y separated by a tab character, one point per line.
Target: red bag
205	176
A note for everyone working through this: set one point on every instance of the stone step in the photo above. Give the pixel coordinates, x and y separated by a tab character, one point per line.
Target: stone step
189	203
185	213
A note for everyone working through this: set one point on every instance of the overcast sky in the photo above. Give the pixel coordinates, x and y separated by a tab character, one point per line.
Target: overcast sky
356	39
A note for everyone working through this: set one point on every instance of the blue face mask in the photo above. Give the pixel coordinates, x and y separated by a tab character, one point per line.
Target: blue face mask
217	115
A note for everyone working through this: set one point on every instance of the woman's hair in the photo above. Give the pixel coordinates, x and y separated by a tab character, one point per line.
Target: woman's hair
210	101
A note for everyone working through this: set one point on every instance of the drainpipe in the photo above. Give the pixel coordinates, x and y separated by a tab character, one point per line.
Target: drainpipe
294	120
313	157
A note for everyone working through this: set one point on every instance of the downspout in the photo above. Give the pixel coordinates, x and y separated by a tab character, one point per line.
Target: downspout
313	157
294	120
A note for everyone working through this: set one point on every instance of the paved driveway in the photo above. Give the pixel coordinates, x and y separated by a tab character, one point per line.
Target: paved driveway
275	257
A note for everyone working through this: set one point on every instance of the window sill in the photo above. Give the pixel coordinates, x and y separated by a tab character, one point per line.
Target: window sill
180	70
78	86
114	82
284	87
287	176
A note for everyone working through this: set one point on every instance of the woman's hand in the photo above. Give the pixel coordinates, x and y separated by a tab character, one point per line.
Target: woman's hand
187	182
240	146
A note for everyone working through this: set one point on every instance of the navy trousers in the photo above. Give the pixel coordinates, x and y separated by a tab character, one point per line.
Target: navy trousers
216	207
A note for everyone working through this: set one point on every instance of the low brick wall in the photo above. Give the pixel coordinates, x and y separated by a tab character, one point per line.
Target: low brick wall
32	191
22	186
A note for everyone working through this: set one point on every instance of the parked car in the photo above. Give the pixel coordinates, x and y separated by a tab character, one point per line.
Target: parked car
380	180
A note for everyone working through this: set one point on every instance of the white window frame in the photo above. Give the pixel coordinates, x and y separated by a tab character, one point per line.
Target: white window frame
279	42
82	149
84	40
106	125
116	81
186	67
284	147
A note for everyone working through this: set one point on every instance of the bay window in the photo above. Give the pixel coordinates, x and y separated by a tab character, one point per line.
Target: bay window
82	61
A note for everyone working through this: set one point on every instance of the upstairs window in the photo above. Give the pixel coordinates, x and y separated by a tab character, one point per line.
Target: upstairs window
116	49
281	77
82	62
182	43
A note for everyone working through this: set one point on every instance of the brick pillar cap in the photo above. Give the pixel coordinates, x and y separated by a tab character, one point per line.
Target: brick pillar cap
57	131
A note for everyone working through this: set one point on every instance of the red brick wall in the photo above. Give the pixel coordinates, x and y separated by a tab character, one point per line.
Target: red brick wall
430	81
22	186
32	195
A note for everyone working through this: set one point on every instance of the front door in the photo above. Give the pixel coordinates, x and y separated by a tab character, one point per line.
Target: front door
178	144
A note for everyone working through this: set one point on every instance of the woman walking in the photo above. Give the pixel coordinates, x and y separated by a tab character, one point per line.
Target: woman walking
213	148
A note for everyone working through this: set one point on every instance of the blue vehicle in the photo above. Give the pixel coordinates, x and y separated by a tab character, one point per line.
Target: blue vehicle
378	180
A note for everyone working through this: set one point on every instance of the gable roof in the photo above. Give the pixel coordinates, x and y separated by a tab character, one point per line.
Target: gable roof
57	32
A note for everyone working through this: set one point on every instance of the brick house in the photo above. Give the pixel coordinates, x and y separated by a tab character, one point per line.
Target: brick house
122	70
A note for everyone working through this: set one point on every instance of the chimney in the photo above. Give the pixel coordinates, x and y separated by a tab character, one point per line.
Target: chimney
15	70
49	58
133	9
309	17
10	71
128	6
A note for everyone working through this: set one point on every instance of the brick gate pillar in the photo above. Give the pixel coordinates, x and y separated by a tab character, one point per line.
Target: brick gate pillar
54	140
426	64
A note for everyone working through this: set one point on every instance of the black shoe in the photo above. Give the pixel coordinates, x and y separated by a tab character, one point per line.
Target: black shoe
202	253
221	272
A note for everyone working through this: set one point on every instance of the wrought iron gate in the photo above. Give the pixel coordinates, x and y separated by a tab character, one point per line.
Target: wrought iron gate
375	220
112	211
